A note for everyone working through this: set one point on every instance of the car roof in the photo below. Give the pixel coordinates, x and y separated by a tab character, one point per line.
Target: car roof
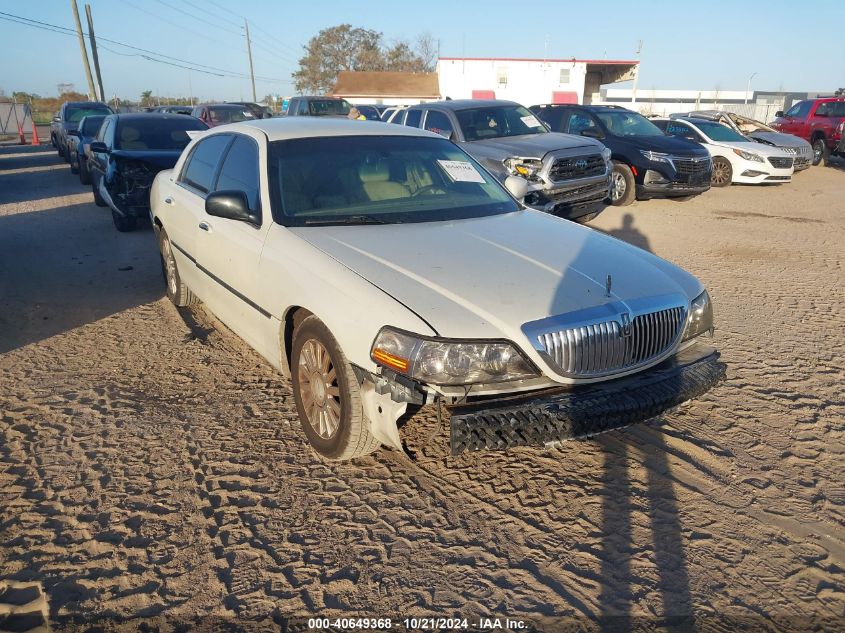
465	104
85	103
280	129
146	116
612	108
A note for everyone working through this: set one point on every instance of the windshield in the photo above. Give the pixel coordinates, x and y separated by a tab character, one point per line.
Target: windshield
229	115
379	179
497	121
627	123
91	125
320	107
155	133
75	114
749	125
719	132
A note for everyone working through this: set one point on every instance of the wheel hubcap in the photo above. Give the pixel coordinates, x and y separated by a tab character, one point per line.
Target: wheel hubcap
817	152
619	186
319	389
720	173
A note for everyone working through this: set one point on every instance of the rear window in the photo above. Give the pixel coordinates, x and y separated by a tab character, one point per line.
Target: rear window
156	133
75	114
322	107
229	115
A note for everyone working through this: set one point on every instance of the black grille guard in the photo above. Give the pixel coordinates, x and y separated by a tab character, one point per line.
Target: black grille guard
553	416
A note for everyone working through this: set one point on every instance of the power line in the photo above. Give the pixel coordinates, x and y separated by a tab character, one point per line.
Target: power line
163	19
196	17
194	65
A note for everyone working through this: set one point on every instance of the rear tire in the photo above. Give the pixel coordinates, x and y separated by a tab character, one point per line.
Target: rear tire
122	223
178	293
74	164
623	186
327	395
722	175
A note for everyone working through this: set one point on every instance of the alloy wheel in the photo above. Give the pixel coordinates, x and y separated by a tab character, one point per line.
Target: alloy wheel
319	389
170	267
720	173
619	186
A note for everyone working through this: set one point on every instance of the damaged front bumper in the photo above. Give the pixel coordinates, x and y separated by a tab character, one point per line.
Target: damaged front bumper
557	415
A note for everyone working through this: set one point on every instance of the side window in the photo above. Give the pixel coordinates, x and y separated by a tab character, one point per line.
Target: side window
303	108
240	170
413	118
202	163
438	123
101	135
399	117
578	122
823	109
551	116
800	109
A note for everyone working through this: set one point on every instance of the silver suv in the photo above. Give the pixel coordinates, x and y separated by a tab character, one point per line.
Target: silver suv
565	175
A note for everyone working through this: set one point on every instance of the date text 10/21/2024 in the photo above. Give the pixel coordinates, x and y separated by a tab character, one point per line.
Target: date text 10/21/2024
416	624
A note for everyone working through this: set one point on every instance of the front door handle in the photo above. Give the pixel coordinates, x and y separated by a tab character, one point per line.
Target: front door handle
168	201
205	226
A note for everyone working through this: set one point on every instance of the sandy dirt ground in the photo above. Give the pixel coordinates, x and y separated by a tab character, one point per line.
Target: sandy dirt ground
153	471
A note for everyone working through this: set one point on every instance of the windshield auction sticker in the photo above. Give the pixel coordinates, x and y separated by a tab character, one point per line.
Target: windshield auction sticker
459	171
531	121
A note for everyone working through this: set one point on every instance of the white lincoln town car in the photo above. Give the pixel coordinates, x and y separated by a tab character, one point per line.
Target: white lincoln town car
381	267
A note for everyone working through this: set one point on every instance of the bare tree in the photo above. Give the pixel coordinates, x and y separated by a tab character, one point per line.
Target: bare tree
428	50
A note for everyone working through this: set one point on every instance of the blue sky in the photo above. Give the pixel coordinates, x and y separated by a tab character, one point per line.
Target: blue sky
715	45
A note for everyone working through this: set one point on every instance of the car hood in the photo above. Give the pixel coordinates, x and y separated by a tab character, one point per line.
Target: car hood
779	139
530	145
664	144
752	146
161	159
486	277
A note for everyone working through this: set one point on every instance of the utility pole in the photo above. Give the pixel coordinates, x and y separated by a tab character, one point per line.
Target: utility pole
748	87
102	96
637	71
249	53
83	50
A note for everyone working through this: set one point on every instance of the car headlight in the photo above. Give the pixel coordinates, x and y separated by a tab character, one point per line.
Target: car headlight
440	361
657	157
700	318
525	167
605	154
749	156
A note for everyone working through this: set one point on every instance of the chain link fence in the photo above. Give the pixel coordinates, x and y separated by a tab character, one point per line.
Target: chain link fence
13	117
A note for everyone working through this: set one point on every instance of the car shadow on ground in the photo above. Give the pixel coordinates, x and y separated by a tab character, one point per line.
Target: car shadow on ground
63	268
24	171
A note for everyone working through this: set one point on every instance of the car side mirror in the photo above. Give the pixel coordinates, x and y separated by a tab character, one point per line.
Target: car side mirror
518	187
230	204
694	140
74	133
57	119
779	113
98	147
592	132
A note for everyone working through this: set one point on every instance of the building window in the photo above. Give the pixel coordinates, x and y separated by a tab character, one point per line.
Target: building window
564	76
502	77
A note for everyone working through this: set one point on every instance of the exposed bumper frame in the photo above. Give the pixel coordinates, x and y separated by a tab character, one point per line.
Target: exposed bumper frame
559	415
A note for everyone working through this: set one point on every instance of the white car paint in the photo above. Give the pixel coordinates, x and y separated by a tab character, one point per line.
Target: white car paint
475	278
740	165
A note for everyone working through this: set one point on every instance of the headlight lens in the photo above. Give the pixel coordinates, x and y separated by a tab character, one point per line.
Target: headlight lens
525	167
445	362
749	155
605	154
700	318
657	157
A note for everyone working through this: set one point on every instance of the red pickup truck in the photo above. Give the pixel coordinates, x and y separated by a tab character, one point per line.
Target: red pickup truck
818	121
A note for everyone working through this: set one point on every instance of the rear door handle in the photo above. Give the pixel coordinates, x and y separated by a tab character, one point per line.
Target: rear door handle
205	226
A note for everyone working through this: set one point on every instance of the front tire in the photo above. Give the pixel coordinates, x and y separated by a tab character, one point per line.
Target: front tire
821	153
327	395
178	293
623	189
722	173
74	164
122	223
84	172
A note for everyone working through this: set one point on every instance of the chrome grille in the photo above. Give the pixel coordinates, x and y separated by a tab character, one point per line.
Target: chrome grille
600	348
577	167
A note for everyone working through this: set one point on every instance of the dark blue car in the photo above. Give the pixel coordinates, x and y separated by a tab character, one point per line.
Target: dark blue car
78	141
